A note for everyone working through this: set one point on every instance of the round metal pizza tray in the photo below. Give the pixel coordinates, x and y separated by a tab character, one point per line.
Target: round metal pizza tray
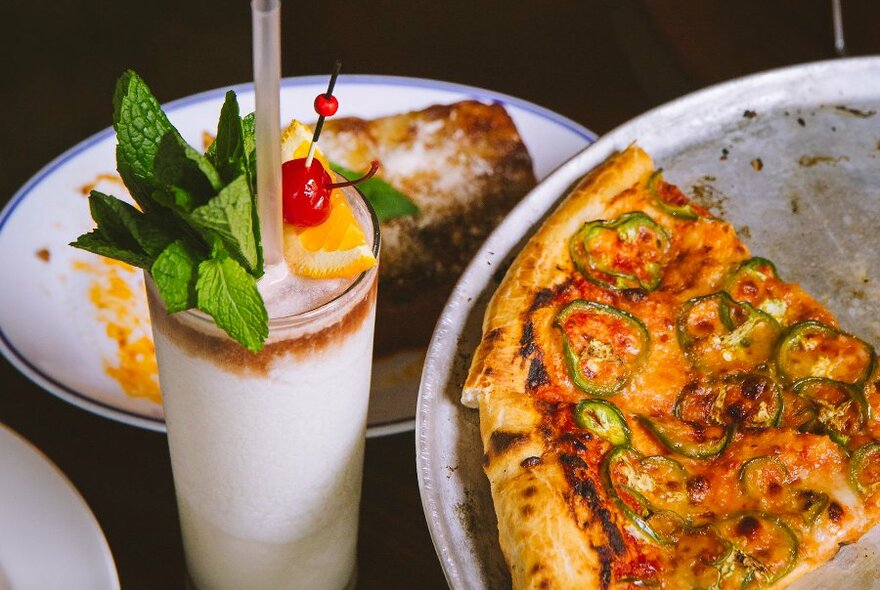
791	157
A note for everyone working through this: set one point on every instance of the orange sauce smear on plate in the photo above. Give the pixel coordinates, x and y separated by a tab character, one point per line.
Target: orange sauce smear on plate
134	367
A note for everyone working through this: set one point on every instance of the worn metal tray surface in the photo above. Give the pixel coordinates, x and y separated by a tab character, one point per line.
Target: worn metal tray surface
792	158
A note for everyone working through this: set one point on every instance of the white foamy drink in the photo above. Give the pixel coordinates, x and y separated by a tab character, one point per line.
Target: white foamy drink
267	448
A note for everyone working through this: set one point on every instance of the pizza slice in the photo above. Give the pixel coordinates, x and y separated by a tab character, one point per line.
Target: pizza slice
660	409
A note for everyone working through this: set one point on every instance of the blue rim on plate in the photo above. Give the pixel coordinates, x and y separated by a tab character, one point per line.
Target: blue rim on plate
87	402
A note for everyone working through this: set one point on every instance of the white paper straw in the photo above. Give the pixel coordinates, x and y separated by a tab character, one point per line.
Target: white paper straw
266	18
837	18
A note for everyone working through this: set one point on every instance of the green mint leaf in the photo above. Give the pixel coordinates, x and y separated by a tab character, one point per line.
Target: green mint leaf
230	216
179	200
228	148
180	166
248	130
116	220
97	243
227	292
190	204
127	227
140	124
388	202
175	272
154	232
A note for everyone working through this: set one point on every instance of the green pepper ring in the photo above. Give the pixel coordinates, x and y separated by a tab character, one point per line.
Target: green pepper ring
795	330
705	450
680	211
855	395
857	460
612	424
777	394
748	266
572	359
792	542
725	302
584	266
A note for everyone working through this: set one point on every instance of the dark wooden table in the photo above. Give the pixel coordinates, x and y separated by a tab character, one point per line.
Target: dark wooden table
597	62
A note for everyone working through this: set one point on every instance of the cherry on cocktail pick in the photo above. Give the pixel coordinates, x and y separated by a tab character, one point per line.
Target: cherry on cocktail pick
305	191
305	185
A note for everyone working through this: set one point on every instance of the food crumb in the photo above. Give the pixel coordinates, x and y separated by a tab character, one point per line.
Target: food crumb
749	114
87	188
856	112
795	205
725	152
745	232
801	122
466	515
757	164
43	254
809	161
709	197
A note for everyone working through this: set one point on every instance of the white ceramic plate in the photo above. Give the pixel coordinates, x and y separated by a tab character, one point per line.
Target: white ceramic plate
53	332
813	208
49	539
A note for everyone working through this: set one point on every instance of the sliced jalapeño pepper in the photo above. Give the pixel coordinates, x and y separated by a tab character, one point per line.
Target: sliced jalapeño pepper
766	548
619	468
719	335
699	555
763	477
665	486
644	488
841	410
814	349
690	439
765	480
669	198
752	282
753	400
603	419
624	253
864	469
602	345
810	504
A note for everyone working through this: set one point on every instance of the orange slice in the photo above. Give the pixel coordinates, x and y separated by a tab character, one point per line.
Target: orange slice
295	141
336	248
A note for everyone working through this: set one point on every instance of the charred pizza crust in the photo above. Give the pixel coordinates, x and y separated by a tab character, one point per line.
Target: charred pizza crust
542	543
558	528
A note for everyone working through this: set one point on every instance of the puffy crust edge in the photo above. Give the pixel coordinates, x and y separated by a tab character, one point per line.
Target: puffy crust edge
538	532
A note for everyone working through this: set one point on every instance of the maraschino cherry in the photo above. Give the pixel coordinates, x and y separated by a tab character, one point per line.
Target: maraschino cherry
305	184
304	192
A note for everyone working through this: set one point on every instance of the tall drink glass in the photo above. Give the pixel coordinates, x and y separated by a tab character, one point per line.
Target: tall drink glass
267	448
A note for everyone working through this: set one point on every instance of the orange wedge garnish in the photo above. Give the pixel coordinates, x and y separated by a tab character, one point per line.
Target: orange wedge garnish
336	248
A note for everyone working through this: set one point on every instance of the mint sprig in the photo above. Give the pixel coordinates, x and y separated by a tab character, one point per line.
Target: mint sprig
195	228
388	202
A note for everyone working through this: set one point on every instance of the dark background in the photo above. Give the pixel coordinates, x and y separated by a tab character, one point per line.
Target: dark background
597	62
